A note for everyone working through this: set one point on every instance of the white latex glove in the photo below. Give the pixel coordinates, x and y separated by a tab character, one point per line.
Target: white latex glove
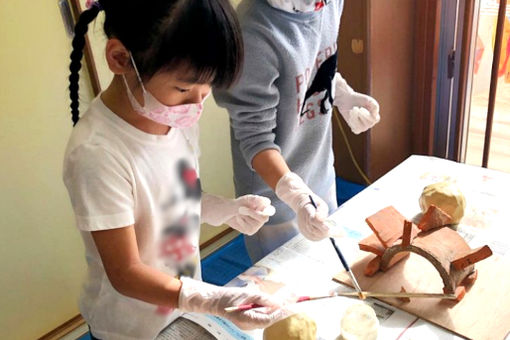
246	214
311	222
200	297
360	111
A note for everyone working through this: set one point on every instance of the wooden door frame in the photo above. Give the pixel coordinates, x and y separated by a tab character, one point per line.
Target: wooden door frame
467	36
354	65
427	29
426	67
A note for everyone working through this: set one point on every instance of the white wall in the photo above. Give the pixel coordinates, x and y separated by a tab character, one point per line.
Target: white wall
41	255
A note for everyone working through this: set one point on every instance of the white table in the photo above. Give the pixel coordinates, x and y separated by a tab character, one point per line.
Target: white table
302	267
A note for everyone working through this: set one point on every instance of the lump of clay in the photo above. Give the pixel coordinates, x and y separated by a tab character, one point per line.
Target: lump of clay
446	196
295	327
359	323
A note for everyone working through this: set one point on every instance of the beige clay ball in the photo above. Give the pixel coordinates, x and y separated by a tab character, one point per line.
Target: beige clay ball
295	327
359	323
446	196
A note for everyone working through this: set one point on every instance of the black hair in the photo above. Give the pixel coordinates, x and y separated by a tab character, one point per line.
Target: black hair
202	35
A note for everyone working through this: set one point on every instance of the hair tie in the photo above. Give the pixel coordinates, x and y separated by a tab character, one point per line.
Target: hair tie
91	3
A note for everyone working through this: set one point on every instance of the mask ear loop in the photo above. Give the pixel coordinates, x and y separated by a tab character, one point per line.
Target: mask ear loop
137	73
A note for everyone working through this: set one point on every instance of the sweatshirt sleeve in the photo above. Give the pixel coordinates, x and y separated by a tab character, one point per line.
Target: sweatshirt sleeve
252	101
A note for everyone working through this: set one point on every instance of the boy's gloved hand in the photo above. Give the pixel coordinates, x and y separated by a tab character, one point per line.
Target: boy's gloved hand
360	111
201	297
311	222
246	214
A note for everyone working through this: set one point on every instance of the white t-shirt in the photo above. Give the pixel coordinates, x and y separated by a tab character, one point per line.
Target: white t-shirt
118	176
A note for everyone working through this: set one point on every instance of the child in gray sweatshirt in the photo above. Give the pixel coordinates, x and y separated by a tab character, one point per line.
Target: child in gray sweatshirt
280	115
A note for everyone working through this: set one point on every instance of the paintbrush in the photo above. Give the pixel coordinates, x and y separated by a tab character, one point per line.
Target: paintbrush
342	259
248	306
245	307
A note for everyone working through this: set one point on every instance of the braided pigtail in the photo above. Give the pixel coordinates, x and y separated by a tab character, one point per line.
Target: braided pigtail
165	35
80	30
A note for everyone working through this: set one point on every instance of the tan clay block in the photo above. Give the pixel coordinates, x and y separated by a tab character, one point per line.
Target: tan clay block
434	218
386	225
372	245
471	257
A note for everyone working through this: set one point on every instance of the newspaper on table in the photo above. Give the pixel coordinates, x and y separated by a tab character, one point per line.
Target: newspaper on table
299	267
194	326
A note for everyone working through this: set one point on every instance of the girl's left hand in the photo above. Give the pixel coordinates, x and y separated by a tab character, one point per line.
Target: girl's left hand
246	214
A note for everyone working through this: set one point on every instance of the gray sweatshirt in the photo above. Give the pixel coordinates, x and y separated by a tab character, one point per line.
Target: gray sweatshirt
284	97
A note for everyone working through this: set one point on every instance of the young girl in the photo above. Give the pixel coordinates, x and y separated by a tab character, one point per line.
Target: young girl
131	168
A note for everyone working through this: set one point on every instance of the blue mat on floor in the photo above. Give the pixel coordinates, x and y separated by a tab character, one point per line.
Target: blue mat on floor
345	190
226	263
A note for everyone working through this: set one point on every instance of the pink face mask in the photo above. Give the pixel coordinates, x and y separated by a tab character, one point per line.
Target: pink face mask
177	116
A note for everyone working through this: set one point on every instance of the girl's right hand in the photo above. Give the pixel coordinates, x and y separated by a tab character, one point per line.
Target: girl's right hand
201	297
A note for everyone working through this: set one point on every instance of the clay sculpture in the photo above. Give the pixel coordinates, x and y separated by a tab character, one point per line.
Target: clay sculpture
394	238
